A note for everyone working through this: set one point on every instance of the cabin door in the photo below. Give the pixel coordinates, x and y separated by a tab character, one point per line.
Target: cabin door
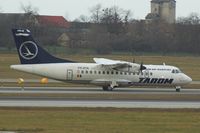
69	74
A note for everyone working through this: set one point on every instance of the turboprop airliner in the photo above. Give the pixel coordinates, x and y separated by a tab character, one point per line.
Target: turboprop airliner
103	72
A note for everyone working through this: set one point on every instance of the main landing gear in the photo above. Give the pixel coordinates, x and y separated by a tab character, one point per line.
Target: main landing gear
178	88
111	86
108	88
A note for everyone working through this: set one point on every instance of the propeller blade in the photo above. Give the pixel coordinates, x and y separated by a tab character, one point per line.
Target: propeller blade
142	67
133	60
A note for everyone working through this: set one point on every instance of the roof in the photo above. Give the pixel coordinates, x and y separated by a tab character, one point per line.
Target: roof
58	21
152	16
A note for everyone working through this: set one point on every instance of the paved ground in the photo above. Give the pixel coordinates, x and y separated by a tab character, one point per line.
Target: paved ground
43	101
96	90
29	102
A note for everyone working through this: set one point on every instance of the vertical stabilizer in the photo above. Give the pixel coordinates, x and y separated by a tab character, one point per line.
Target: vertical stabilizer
30	52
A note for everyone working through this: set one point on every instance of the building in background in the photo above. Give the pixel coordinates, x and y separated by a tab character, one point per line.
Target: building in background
164	10
54	21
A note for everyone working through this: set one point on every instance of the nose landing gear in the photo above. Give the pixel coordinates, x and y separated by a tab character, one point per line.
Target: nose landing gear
178	88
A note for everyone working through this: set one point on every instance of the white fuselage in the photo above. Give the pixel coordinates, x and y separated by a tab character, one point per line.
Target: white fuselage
92	73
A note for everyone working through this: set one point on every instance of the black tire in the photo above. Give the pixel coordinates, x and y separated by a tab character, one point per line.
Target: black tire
178	90
107	88
110	88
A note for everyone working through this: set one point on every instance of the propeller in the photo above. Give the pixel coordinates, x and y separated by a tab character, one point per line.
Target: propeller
133	60
142	67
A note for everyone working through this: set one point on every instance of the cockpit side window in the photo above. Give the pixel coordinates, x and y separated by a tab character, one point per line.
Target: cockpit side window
173	71
176	71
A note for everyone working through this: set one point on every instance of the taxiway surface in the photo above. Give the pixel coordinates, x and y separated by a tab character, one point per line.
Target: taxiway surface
97	103
96	90
32	101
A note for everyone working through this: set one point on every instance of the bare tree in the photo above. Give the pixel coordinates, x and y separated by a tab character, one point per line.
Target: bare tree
99	40
193	19
82	18
30	14
116	19
29	9
127	15
96	13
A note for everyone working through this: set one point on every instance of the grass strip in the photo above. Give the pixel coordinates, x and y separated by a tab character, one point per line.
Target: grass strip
98	120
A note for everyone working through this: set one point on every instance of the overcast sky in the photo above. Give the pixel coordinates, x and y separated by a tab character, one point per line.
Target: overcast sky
74	8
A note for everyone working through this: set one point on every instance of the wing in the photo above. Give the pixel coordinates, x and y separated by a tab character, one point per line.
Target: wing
113	64
117	64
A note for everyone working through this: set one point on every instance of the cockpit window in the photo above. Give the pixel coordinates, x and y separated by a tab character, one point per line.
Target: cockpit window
176	71
173	71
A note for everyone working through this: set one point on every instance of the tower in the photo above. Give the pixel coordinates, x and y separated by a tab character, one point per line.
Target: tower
163	10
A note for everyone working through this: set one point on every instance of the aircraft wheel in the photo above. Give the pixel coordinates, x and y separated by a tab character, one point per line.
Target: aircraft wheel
110	88
178	89
107	88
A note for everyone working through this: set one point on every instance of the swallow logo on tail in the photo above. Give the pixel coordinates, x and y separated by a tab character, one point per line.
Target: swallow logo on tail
28	50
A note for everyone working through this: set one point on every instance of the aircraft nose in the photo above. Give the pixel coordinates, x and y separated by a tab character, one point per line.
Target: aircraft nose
188	79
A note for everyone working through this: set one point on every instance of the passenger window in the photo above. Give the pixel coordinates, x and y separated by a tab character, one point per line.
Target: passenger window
82	72
121	73
90	72
99	72
103	72
117	72
107	72
86	72
151	73
95	72
112	72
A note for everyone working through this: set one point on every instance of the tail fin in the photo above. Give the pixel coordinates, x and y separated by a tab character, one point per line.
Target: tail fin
31	53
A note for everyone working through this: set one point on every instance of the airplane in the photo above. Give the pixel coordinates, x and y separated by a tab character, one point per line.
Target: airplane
108	74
